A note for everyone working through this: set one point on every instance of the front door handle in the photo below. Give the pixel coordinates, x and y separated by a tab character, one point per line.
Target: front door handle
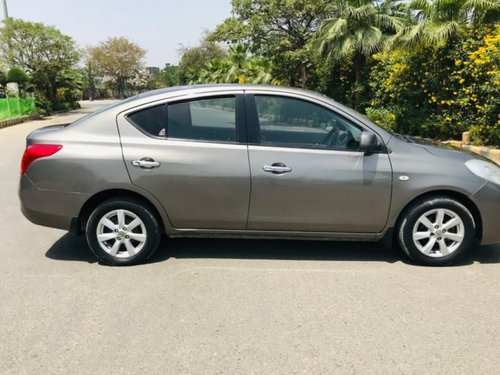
277	168
146	163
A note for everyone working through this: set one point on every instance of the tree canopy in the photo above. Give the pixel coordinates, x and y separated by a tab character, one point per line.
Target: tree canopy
194	59
119	59
43	51
279	30
33	46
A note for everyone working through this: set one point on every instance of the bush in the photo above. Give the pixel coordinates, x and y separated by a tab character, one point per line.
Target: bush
3	78
486	135
66	99
17	75
383	117
43	104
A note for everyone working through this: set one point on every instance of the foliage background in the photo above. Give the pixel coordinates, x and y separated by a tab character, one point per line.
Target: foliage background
428	68
441	91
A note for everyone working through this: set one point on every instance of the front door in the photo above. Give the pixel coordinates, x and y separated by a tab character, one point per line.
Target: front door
308	174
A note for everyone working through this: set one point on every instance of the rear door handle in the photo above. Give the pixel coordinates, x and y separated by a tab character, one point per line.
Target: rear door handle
277	168
146	163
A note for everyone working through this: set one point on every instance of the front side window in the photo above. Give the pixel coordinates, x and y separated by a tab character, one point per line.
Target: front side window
290	122
211	119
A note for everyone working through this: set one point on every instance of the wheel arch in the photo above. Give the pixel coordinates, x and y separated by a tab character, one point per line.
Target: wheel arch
102	196
459	197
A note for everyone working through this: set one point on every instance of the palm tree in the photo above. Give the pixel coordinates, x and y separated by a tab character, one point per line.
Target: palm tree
238	67
214	71
358	30
435	21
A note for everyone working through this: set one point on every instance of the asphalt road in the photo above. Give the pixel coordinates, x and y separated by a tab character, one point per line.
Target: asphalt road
235	306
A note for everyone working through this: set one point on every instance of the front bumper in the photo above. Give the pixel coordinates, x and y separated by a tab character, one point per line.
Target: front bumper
487	200
49	208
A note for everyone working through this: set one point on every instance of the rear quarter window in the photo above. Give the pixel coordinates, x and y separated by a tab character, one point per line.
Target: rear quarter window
152	120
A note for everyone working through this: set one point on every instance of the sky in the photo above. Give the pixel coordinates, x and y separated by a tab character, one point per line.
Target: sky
161	27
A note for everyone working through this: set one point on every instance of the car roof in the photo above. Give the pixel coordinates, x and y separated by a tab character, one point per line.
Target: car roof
174	91
222	87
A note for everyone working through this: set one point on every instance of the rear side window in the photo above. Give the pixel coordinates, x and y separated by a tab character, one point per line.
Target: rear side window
212	119
152	120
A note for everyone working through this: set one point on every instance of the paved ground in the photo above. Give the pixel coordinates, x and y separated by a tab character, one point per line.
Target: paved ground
235	306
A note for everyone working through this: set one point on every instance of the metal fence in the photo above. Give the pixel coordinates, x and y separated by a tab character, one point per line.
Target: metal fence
16	107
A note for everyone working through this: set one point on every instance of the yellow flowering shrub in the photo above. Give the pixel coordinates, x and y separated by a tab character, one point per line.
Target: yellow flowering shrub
444	90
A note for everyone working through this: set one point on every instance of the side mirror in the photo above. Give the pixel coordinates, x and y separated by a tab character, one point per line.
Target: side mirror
368	142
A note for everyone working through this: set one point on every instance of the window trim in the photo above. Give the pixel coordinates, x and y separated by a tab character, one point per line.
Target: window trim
253	126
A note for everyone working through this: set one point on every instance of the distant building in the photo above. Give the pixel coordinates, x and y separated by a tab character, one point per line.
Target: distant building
153	70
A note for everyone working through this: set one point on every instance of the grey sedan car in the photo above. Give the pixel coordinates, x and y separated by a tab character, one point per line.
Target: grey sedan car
253	161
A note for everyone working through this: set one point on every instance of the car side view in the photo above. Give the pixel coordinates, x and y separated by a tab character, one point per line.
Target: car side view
253	161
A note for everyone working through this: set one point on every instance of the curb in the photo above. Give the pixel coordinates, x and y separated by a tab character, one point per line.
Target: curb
490	153
18	120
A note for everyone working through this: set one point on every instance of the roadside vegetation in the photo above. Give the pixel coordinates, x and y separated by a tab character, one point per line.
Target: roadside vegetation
428	68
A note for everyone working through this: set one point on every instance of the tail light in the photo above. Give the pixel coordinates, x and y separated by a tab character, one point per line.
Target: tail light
34	152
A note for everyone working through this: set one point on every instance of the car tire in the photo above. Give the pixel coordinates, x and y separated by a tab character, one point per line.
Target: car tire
436	231
123	232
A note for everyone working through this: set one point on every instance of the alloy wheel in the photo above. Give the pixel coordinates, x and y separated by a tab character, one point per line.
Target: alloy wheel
121	233
438	233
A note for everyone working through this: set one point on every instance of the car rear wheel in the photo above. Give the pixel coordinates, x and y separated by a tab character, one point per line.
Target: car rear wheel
436	231
122	232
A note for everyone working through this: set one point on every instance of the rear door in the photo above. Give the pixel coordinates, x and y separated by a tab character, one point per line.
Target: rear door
191	154
308	173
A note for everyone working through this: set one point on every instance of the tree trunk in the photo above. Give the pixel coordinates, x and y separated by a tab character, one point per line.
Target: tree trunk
91	82
358	63
120	85
304	78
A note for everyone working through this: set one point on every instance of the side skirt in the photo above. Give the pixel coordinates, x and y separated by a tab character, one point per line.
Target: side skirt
326	236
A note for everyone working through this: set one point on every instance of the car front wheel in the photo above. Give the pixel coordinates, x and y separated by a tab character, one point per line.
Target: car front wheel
436	231
123	232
